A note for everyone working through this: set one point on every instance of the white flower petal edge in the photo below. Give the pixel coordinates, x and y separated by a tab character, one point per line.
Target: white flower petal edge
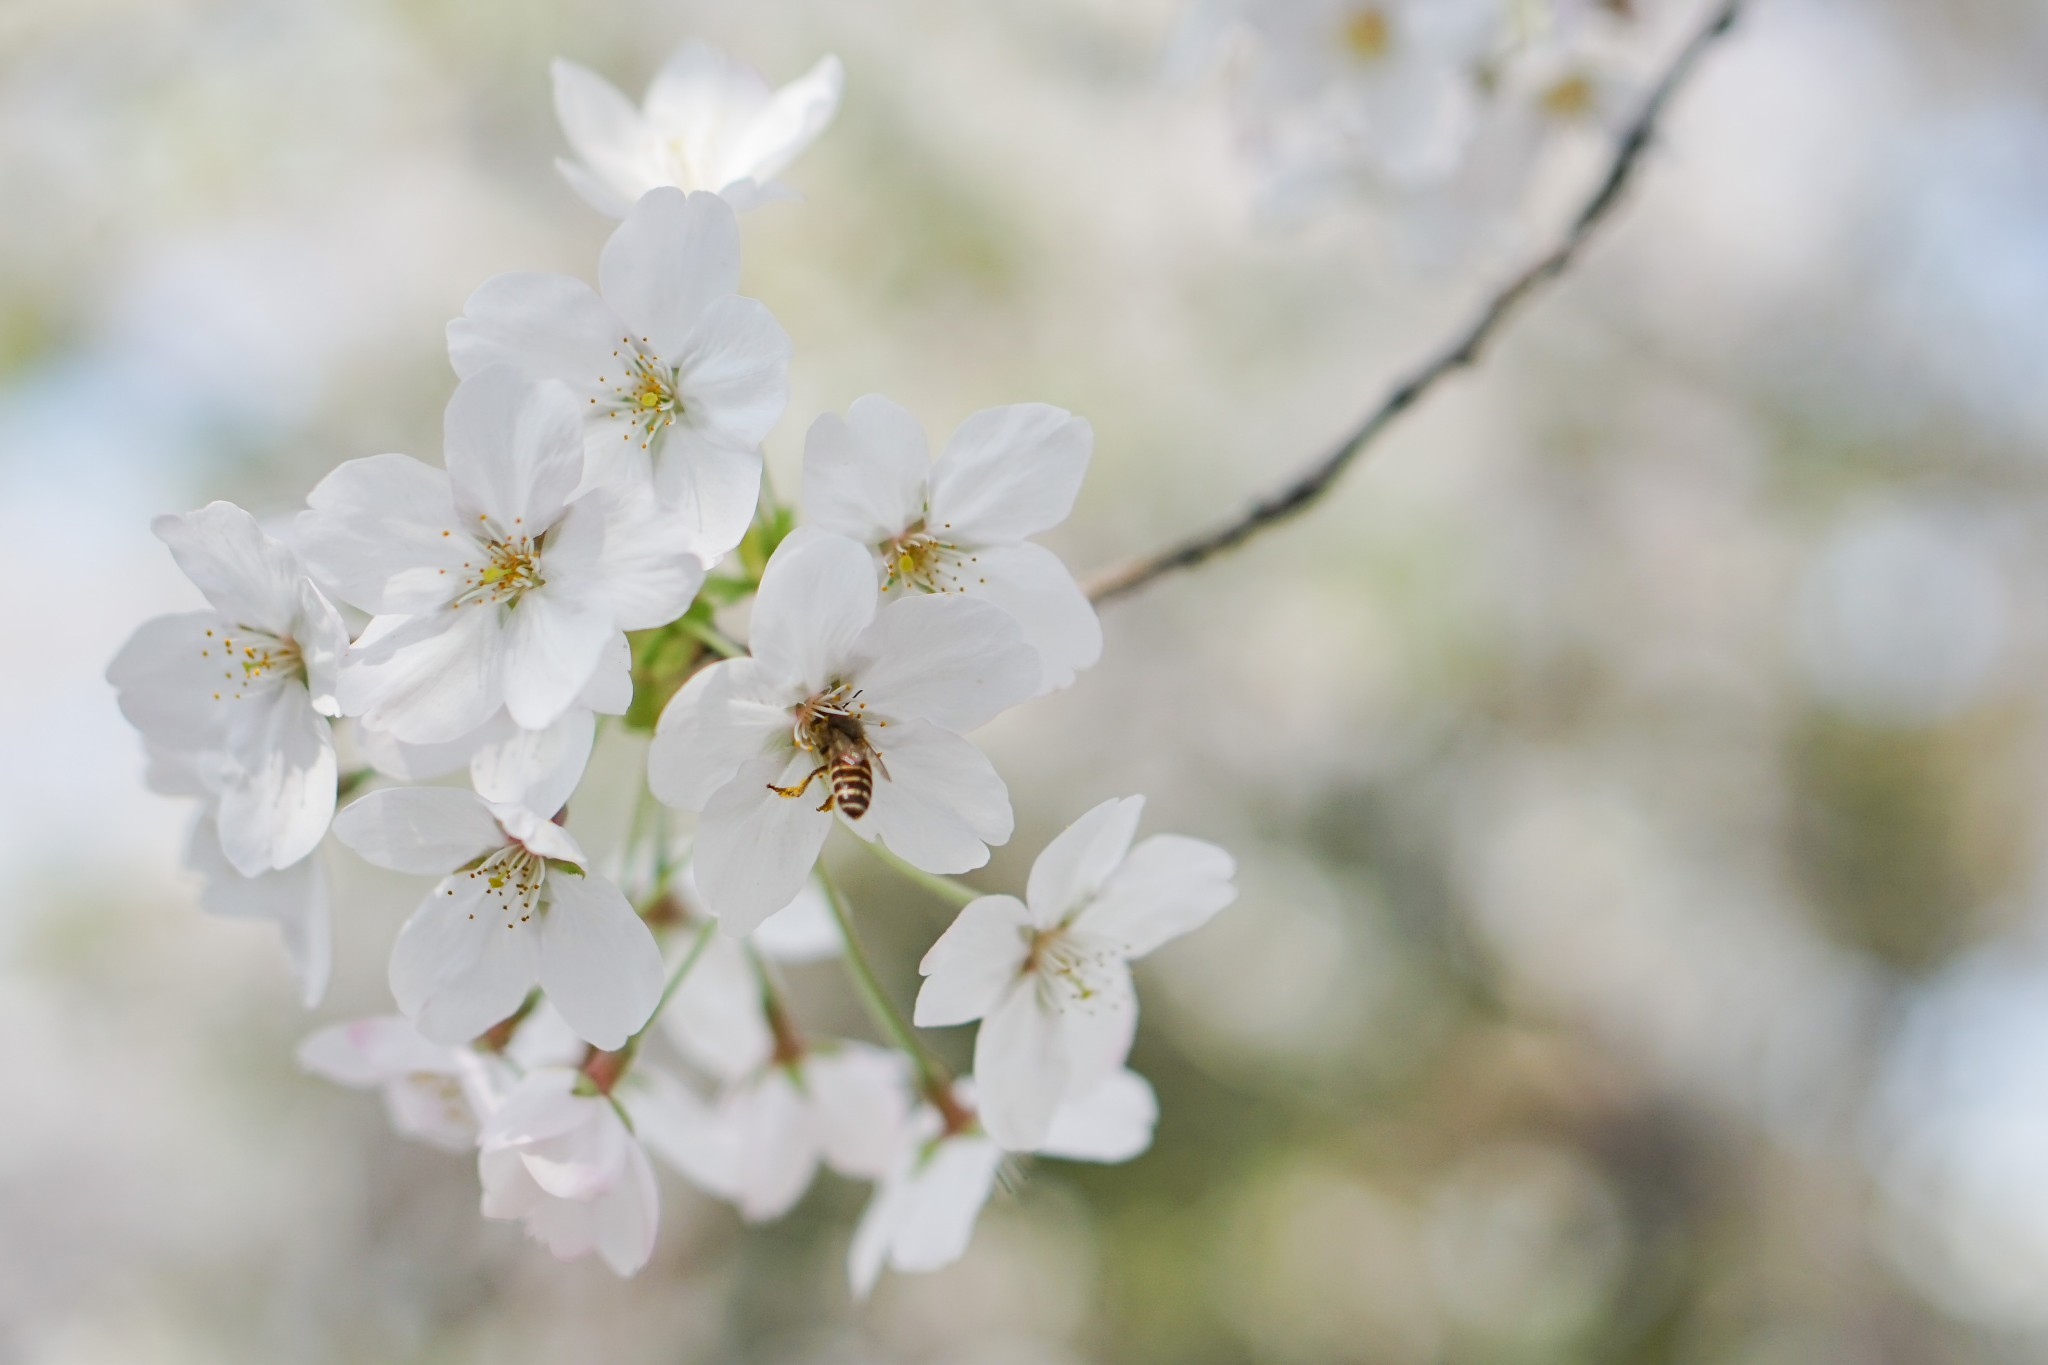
249	685
561	1160
708	123
297	899
1049	976
961	524
499	582
675	375
433	1093
520	910
837	688
923	1212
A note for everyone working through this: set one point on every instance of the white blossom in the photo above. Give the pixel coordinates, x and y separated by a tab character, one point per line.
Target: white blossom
242	691
672	369
873	701
496	582
708	123
923	1211
557	1156
297	899
962	523
761	1141
520	907
1049	975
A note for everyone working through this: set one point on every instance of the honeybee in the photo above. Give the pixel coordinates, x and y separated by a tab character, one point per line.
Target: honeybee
849	761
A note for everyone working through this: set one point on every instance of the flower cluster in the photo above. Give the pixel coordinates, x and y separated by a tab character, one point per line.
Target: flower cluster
1442	107
578	558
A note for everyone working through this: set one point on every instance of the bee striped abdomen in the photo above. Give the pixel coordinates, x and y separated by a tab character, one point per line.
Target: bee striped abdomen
853	784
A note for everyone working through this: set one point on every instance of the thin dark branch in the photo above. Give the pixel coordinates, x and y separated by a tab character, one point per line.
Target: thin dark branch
1297	496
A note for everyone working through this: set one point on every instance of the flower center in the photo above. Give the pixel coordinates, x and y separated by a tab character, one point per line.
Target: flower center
510	567
251	659
1069	976
1368	33
642	394
830	721
1568	98
918	559
512	879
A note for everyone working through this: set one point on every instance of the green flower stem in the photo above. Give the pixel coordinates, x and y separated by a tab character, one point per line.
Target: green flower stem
933	1080
945	888
711	637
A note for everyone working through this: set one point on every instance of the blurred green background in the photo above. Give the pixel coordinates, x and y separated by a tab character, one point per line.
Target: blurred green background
1636	769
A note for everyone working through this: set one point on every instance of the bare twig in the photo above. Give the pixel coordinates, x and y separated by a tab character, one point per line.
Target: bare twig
1297	496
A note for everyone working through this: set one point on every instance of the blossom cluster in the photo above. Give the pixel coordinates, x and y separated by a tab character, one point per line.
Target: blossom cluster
577	559
1439	107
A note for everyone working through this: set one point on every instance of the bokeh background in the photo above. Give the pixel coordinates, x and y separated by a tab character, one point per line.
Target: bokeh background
1637	769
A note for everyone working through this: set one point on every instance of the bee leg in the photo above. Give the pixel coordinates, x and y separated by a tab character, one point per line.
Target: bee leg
800	788
829	797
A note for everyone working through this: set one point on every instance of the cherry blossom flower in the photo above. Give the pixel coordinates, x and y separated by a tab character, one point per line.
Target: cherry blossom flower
296	899
761	1142
708	123
494	583
923	1212
242	691
558	1156
520	908
1049	975
436	1093
871	700
962	524
672	369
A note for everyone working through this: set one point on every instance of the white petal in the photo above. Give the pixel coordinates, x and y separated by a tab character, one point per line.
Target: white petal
817	595
778	1149
542	1107
789	122
1009	473
627	1216
419	762
543	326
169	677
712	489
1081	857
950	660
1030	583
715	1016
864	474
514	450
383	534
610	690
1099	1030
598	960
717	722
322	639
1170	885
594	190
278	787
681	1130
553	641
457	968
426	679
248	577
978	958
755	848
802	931
732	374
648	569
368	1052
427	831
941	804
1020	1068
1111	1123
295	898
860	1099
602	126
944	1200
538	769
538	834
667	261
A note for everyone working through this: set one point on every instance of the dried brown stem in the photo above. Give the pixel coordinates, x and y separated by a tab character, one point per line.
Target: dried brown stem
1462	352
